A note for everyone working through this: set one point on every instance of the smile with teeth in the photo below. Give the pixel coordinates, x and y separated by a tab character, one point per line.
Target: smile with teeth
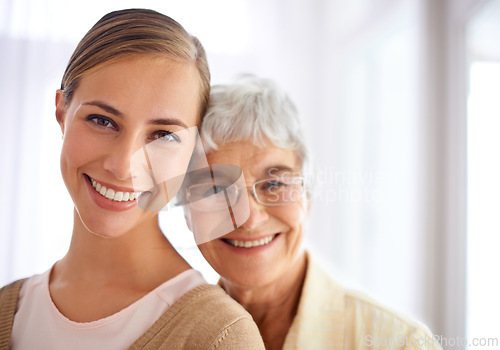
116	196
250	244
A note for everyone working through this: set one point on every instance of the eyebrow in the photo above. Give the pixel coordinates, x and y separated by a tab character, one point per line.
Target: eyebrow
168	121
206	173
105	107
114	111
278	169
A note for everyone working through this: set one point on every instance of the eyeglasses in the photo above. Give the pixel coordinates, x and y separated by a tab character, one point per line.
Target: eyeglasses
271	192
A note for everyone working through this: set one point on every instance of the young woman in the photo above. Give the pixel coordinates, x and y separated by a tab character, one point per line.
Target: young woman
135	80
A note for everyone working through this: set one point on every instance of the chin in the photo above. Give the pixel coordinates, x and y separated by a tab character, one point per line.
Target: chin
105	227
253	278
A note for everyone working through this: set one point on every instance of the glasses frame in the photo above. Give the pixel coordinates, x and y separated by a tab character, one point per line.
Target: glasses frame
253	192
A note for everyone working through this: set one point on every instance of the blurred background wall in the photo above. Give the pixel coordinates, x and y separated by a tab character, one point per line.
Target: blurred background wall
399	103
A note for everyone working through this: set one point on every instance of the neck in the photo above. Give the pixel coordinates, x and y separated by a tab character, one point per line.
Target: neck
141	257
101	276
273	306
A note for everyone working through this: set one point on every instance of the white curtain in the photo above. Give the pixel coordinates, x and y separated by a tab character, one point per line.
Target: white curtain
358	72
32	220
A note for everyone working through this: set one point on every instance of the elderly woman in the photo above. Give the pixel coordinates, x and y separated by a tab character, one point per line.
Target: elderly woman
254	125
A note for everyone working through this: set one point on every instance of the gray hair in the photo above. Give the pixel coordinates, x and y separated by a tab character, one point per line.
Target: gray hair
256	110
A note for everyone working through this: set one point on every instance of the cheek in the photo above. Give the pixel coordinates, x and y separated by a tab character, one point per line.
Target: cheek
293	215
209	252
77	149
161	162
207	227
71	154
169	164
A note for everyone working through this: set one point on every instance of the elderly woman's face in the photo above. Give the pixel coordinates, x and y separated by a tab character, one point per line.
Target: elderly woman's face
267	244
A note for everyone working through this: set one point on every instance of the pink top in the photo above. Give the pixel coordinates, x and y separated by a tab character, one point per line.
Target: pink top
38	324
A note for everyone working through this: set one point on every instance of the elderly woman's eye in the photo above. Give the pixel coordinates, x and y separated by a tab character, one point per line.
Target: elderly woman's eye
273	185
167	136
214	190
204	190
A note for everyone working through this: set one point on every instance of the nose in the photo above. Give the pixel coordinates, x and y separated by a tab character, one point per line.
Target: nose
117	160
258	214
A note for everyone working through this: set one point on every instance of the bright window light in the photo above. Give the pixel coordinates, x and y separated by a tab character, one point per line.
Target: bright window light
483	197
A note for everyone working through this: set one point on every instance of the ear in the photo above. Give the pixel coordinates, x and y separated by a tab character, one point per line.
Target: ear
60	109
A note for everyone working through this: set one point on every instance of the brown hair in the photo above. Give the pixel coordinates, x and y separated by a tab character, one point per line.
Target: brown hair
135	31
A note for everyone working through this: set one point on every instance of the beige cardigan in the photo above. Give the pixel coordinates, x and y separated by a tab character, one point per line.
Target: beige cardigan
203	318
331	317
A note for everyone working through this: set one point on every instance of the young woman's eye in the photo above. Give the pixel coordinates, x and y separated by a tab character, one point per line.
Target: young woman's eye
167	136
101	121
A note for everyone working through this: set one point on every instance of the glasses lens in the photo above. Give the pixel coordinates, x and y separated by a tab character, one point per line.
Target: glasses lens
279	191
215	203
212	196
214	188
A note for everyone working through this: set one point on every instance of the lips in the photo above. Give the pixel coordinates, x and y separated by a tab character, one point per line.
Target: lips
113	194
250	244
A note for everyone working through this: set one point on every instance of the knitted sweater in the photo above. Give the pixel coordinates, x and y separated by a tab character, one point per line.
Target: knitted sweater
203	318
330	316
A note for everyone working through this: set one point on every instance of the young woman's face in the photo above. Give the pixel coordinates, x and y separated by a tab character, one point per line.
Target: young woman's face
117	112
